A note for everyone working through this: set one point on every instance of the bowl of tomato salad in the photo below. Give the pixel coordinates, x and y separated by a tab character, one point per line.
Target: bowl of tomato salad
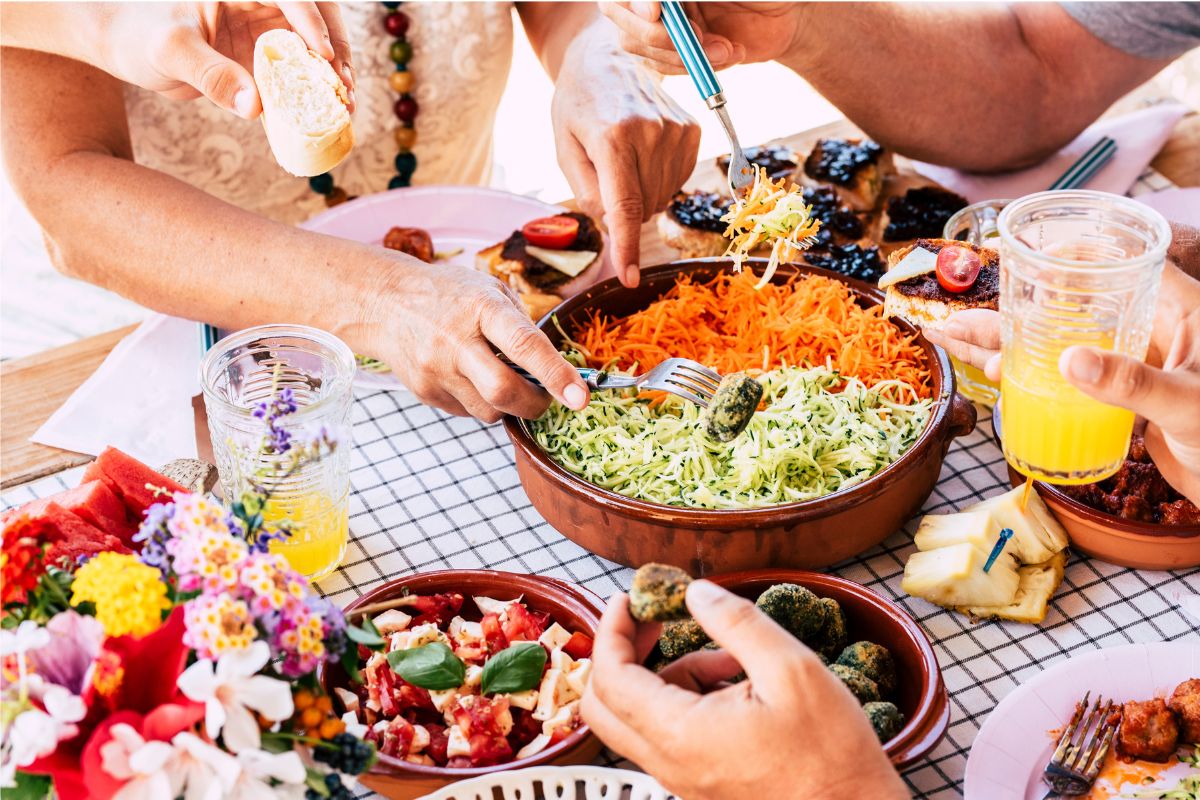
465	672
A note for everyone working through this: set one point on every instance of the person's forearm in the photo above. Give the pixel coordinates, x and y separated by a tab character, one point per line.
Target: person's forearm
176	249
65	29
552	28
980	87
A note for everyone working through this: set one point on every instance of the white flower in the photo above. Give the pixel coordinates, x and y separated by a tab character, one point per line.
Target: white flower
259	767
231	690
199	770
36	732
141	764
27	637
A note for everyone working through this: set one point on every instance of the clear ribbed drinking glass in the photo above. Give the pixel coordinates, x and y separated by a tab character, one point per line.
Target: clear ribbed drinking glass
976	224
1076	268
252	366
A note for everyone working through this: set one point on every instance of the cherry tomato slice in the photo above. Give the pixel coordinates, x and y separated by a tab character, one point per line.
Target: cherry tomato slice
957	268
552	232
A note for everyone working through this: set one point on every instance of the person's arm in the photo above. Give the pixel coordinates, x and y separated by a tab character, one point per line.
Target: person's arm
978	87
172	247
623	144
181	50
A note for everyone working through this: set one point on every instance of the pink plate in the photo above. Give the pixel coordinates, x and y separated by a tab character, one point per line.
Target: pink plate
466	218
1016	741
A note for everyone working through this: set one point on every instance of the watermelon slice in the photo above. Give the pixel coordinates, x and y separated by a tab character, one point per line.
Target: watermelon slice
96	504
128	477
75	536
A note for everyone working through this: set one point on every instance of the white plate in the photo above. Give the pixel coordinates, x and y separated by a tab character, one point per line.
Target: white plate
470	218
1016	741
557	783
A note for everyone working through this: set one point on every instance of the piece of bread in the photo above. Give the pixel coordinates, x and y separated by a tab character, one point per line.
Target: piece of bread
304	105
690	242
857	168
922	300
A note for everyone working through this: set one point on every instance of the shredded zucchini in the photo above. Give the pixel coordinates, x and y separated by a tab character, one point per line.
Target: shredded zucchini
813	438
368	364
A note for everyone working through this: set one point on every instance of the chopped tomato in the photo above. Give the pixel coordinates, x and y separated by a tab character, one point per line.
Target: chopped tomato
493	633
957	268
522	625
480	723
578	646
439	608
412	697
552	232
439	739
397	738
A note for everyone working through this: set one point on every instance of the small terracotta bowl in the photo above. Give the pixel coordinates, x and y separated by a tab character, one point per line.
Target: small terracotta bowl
921	694
810	534
575	608
1120	541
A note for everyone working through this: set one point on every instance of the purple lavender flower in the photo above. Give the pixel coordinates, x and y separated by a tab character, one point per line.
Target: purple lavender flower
335	625
153	535
265	535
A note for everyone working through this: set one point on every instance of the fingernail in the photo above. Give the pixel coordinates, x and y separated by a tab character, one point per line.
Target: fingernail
643	10
350	97
576	396
719	52
1083	365
243	101
704	591
348	77
633	274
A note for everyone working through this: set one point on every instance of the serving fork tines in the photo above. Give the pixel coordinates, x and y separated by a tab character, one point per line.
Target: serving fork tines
1080	752
682	377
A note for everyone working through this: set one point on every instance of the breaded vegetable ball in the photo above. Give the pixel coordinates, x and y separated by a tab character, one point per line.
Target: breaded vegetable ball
885	718
1185	702
657	593
832	637
730	410
859	685
874	661
680	637
795	608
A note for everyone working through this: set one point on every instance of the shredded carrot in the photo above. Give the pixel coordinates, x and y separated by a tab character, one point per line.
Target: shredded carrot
729	325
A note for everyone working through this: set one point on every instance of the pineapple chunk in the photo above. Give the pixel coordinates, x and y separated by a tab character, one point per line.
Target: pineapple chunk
1037	535
1038	582
954	576
940	530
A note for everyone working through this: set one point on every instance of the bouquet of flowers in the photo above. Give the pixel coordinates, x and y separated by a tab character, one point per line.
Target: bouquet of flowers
187	669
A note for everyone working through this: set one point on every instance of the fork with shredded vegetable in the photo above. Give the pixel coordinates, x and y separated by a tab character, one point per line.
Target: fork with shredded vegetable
769	213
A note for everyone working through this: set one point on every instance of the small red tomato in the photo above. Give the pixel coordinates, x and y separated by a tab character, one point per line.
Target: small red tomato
552	232
957	268
578	646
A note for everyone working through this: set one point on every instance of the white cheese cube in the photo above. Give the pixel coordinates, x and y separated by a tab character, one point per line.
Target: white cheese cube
420	739
457	744
391	621
488	605
579	675
527	699
474	674
535	746
443	700
554	637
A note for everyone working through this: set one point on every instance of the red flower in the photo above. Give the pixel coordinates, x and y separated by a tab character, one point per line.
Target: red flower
21	560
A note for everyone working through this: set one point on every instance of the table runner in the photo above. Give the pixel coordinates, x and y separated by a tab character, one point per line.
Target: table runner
430	491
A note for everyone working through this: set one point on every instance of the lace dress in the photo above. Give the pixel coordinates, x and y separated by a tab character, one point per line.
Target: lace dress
461	58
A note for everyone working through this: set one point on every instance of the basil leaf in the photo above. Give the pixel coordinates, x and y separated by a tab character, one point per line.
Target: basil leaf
516	668
350	665
431	666
367	635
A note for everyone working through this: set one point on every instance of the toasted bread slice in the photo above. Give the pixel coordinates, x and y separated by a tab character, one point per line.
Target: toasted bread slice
857	168
690	242
922	300
304	105
920	213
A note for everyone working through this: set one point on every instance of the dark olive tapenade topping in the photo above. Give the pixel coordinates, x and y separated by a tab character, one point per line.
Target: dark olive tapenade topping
839	160
836	218
921	212
850	260
777	160
700	210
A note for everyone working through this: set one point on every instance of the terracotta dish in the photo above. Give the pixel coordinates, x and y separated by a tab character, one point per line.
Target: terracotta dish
811	534
575	608
921	693
1125	542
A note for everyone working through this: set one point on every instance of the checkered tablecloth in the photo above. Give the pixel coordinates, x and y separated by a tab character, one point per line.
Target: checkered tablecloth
434	492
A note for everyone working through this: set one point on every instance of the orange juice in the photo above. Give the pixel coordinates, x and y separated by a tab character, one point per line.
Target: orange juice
319	531
973	384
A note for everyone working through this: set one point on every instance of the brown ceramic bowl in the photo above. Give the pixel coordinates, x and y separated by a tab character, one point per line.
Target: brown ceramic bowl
1125	542
811	534
921	694
573	607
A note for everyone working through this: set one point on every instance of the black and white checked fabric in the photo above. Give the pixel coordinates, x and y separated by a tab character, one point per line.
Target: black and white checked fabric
434	492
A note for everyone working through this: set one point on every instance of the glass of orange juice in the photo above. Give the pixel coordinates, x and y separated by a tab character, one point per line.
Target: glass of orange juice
977	224
1076	268
255	366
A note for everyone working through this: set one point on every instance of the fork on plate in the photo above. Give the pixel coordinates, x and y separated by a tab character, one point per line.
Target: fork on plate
1079	755
682	377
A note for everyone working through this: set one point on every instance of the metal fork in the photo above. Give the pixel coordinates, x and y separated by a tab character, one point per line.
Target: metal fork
698	66
682	377
1079	755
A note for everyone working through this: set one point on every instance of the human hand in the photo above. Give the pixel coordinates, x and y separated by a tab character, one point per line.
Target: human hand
623	144
730	33
438	327
185	50
790	724
1164	396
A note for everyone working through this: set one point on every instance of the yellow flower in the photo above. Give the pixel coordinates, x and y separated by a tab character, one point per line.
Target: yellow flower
130	596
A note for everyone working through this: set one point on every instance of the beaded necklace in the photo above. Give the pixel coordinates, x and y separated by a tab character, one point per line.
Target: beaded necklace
395	22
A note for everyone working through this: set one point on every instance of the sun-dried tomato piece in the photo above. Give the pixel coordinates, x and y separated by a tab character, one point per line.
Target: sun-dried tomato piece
437	608
493	633
578	646
523	625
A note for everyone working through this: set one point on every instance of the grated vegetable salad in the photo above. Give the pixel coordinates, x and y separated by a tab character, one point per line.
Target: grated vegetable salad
819	433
